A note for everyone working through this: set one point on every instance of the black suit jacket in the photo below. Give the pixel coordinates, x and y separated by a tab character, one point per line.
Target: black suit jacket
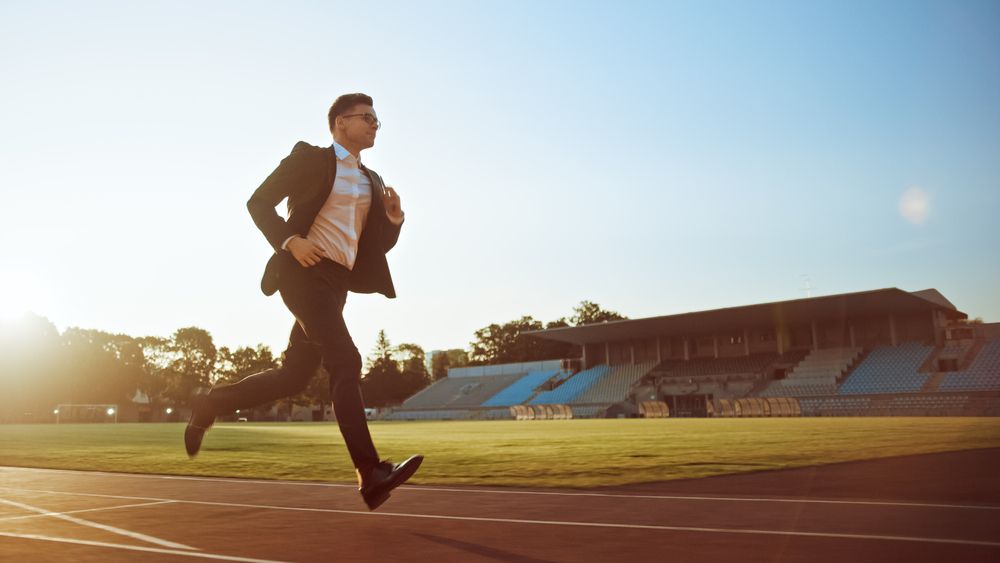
306	178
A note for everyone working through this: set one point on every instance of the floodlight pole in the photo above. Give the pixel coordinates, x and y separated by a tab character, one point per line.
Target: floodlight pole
807	285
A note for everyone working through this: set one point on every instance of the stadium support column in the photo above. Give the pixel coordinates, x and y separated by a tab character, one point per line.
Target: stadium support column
746	341
607	353
583	360
715	345
687	349
815	341
780	339
659	354
936	328
631	349
892	329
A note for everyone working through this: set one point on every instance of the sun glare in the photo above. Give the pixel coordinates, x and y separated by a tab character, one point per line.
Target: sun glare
915	205
20	295
10	311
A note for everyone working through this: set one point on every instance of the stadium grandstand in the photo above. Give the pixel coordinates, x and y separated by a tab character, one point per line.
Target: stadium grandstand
884	352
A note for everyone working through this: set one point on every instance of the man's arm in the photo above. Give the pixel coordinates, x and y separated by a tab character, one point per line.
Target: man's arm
393	214
275	188
390	234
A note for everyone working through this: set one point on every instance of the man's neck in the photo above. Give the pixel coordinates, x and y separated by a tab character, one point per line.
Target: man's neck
350	148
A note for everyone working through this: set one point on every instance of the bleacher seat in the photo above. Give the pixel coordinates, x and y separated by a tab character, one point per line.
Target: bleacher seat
983	374
571	388
439	414
815	375
889	369
520	390
614	385
459	392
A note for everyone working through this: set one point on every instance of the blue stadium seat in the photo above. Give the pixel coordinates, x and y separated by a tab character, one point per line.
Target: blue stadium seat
571	388
889	369
983	374
519	391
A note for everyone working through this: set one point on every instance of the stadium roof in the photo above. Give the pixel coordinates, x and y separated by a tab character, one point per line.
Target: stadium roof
796	311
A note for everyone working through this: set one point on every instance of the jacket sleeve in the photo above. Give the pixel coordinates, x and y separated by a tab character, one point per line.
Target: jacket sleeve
390	234
275	188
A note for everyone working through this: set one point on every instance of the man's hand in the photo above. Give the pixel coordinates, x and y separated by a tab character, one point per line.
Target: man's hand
305	251
390	199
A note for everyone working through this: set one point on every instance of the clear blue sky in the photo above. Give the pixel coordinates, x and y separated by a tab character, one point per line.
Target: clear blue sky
654	157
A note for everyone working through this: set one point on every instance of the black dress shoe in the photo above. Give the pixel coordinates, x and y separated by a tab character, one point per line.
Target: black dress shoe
380	481
202	418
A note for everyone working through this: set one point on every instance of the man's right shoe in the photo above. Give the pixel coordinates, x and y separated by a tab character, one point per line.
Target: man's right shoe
202	418
384	477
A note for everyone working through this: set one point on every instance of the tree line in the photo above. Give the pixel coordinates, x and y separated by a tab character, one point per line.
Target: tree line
510	342
41	367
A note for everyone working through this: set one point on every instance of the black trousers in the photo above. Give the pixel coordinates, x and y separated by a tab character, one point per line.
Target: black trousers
316	296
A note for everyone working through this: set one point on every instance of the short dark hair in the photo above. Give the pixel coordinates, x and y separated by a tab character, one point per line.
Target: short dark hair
344	103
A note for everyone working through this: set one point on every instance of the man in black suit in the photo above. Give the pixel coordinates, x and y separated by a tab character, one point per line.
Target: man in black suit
341	222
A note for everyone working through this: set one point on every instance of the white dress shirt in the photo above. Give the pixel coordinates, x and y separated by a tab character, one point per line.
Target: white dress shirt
339	223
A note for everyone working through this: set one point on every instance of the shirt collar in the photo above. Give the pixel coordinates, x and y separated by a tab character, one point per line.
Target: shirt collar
344	154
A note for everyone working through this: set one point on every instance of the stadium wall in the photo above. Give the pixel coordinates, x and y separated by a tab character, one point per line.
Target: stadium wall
505	369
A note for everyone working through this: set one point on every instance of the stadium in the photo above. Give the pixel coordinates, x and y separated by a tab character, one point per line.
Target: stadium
884	352
267	265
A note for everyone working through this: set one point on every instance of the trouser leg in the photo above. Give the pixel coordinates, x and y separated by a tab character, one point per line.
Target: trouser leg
302	359
316	297
349	407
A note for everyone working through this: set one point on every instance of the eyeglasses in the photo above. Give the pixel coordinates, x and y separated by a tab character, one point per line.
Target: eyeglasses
369	119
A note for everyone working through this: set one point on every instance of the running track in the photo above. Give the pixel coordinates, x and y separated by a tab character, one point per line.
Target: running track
934	508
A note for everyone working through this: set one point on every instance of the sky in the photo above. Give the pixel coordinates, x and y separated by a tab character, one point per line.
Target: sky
653	157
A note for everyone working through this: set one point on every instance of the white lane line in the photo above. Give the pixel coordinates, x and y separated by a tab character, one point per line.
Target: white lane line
199	554
723	499
419	488
30	516
105	527
916	539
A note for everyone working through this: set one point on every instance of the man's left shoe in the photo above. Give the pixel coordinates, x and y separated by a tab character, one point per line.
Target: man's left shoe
202	418
384	477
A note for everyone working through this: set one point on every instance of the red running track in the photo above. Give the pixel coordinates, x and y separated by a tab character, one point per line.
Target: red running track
934	508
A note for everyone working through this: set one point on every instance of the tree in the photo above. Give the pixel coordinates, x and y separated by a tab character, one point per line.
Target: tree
412	362
507	343
382	350
99	367
444	359
233	365
394	373
588	312
382	372
192	361
155	362
411	356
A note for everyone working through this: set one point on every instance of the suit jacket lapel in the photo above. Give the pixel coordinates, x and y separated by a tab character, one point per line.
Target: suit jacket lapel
377	188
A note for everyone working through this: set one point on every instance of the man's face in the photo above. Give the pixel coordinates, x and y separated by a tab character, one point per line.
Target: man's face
358	126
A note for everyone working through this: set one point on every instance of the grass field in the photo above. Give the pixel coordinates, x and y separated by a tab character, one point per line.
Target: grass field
575	453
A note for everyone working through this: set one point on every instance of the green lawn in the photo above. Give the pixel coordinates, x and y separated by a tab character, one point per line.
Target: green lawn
574	453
